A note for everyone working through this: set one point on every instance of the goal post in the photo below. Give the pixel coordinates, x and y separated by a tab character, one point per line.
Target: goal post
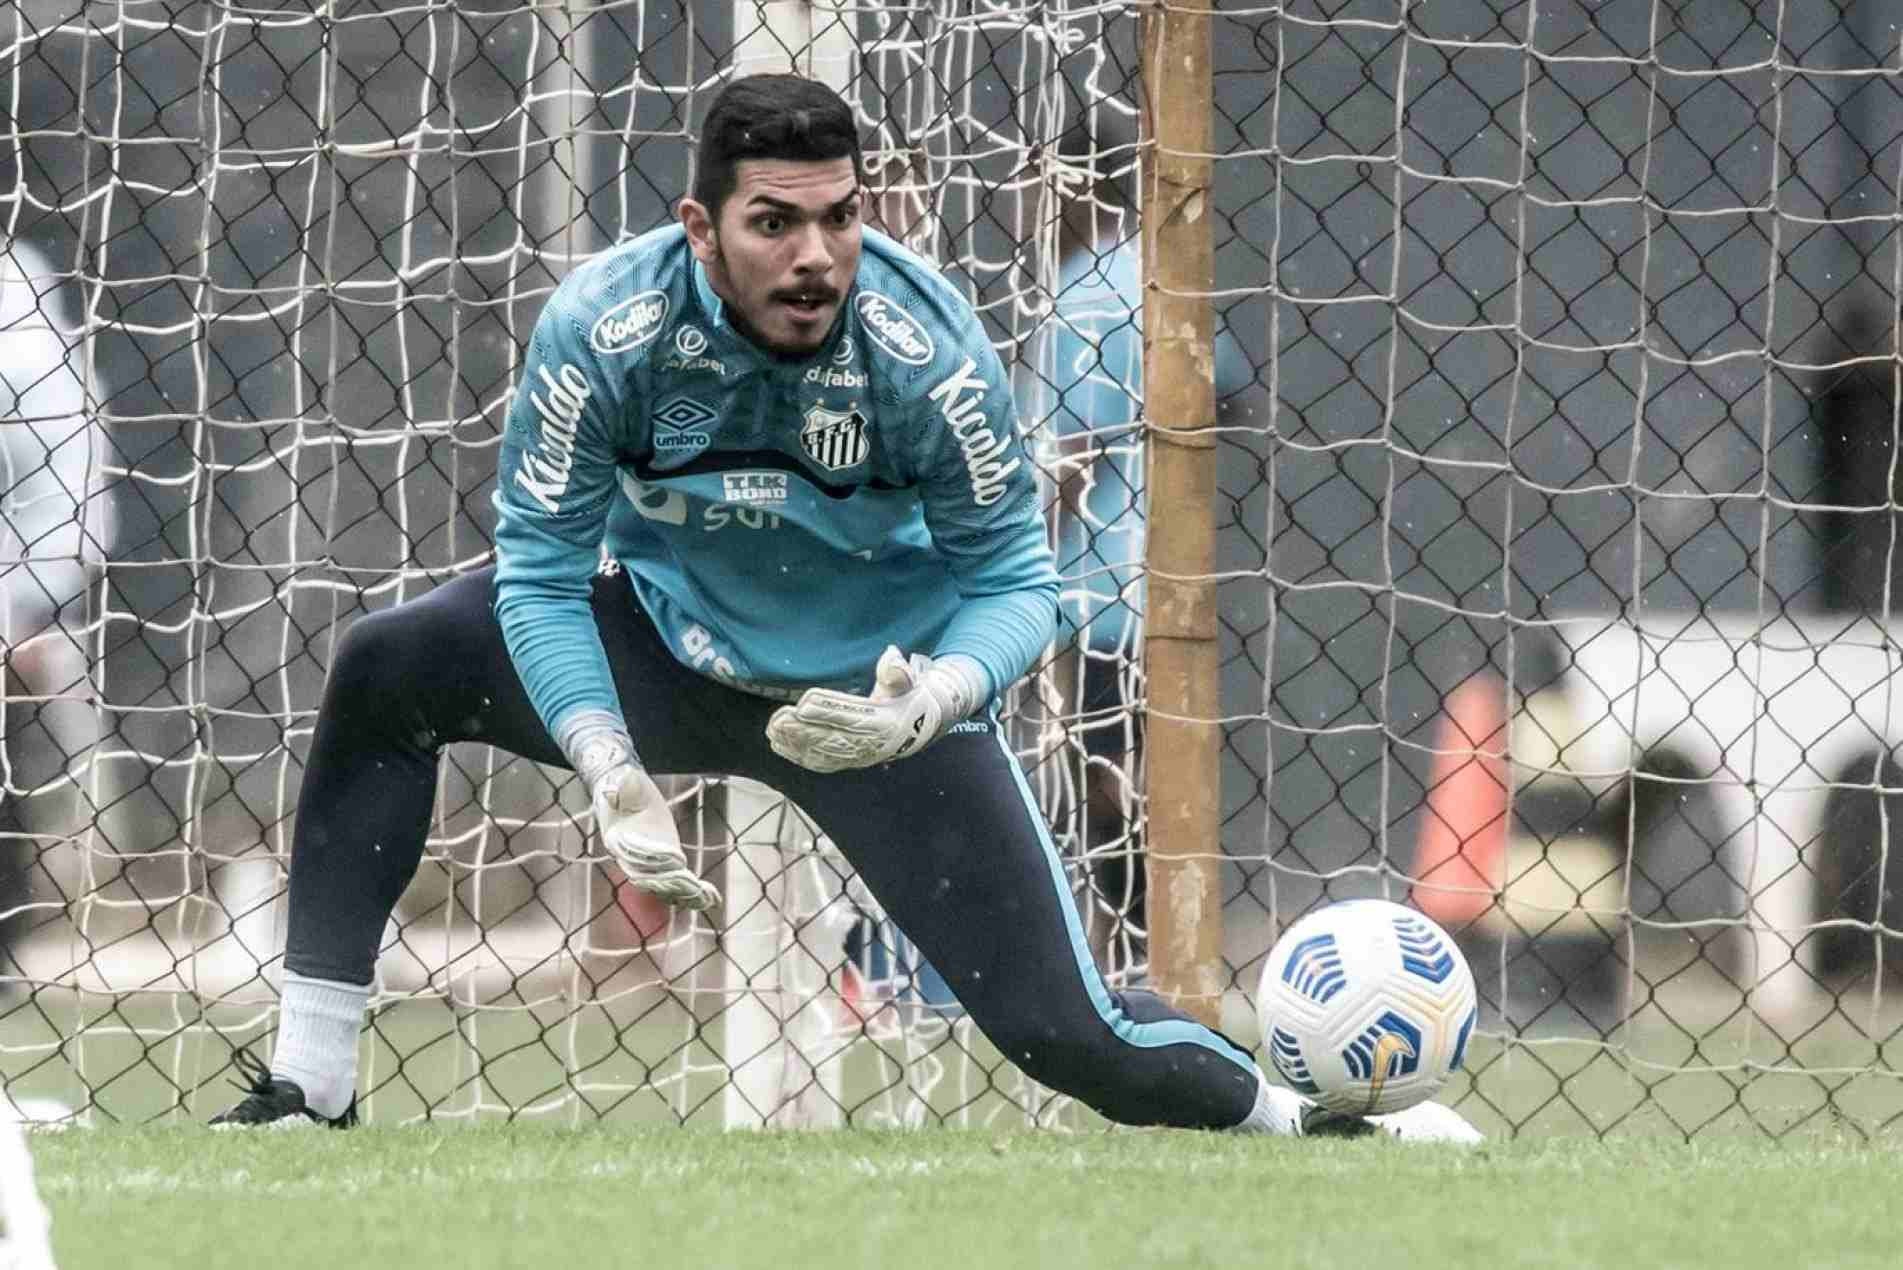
781	1000
1182	775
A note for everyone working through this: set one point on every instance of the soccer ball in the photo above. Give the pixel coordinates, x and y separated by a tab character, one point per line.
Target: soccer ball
1366	1007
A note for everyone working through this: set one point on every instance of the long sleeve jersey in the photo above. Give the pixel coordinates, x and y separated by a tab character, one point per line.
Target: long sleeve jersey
781	521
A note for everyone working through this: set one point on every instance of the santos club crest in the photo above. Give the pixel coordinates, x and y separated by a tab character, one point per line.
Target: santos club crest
834	439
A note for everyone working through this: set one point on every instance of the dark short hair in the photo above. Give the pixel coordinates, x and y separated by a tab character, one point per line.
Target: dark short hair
771	117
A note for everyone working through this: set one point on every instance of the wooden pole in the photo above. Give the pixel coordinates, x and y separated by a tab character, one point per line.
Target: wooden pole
1183	751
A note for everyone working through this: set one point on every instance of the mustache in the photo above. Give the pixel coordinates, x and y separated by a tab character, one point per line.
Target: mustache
822	294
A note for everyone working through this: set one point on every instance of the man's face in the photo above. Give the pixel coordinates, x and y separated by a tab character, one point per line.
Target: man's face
784	249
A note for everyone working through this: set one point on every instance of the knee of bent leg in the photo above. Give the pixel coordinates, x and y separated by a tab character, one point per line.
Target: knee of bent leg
376	656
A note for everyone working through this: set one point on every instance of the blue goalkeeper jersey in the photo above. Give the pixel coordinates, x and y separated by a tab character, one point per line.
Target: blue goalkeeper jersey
782	521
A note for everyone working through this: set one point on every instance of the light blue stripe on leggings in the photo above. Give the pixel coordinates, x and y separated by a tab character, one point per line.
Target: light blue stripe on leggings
1127	1030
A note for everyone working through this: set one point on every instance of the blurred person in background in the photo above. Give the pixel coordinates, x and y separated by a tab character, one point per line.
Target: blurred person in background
55	529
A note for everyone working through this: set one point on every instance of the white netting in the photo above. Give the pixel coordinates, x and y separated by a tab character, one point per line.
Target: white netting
1580	320
1557	527
281	264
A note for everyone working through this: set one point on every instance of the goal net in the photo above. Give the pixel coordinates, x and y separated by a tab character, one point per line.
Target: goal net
270	273
1562	589
1556	530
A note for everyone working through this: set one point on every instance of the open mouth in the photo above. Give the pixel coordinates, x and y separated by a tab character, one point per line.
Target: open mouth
805	304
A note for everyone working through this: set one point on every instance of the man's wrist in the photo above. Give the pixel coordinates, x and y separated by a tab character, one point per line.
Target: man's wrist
595	743
961	685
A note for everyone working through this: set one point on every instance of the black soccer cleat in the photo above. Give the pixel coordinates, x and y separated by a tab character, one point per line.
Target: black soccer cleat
1319	1122
273	1103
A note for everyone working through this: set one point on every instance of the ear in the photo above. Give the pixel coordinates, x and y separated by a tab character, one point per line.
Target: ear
699	223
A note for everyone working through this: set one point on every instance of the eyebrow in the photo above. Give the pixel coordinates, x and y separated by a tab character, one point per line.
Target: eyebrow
781	205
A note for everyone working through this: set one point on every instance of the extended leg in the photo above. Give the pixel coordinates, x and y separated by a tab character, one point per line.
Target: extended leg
953	846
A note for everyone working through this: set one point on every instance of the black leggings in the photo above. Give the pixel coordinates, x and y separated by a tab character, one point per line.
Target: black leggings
949	841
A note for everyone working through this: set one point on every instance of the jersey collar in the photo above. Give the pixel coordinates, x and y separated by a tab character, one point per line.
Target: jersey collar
710	302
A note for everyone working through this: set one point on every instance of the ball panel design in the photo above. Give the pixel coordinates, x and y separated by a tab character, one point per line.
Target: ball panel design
1388	1047
1423	952
1314	969
1460	1041
1286	1053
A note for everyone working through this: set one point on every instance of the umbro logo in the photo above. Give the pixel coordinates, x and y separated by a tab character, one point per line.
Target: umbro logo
676	421
682	413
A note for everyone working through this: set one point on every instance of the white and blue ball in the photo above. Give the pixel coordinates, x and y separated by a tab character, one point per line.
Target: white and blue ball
1366	1006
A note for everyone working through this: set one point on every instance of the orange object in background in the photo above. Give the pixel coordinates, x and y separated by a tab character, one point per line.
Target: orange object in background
1460	860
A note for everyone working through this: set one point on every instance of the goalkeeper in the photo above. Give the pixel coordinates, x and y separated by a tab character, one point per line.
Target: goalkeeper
824	561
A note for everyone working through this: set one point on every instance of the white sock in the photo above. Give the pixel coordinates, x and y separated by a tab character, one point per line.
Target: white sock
1277	1110
317	1040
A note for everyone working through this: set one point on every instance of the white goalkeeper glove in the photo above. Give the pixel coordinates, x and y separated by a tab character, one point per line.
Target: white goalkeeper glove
914	701
635	823
637	828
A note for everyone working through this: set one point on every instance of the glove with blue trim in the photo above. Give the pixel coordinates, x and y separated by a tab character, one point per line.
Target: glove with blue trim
914	701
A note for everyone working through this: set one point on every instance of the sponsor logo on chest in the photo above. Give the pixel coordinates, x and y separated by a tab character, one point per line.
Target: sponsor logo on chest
893	330
630	324
657	503
835	377
753	487
690	345
842	373
961	404
713	364
558	398
834	439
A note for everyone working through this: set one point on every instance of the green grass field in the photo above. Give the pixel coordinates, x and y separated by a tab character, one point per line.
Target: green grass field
517	1196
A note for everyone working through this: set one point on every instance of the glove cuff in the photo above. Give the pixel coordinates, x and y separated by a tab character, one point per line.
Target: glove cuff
595	743
960	684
